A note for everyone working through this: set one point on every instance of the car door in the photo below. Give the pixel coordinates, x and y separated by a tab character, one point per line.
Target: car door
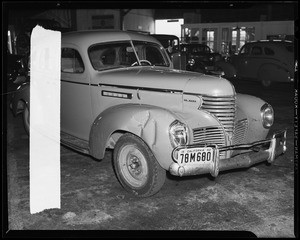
76	116
240	61
251	63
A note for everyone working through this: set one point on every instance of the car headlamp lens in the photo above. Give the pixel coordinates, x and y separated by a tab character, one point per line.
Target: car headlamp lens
178	133
191	62
267	115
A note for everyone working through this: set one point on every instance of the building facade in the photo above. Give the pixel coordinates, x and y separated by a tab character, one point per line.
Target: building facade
229	37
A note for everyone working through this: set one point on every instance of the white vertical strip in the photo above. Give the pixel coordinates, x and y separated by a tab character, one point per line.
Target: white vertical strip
44	119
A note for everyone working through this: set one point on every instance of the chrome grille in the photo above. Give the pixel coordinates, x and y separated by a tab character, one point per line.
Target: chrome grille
210	135
240	130
223	108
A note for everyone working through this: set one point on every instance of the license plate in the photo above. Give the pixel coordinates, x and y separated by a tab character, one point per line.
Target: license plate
200	156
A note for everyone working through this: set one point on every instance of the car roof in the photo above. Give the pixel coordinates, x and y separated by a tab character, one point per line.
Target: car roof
165	36
270	42
193	44
90	37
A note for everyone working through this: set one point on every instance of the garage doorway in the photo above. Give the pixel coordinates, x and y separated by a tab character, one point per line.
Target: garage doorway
171	26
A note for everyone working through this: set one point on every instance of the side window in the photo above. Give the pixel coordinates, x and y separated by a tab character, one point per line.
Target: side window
245	50
269	51
71	62
108	57
256	51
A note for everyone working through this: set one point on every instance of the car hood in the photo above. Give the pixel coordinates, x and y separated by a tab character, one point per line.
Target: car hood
153	78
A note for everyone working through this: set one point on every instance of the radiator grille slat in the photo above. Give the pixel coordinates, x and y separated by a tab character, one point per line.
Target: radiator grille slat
240	131
210	135
223	108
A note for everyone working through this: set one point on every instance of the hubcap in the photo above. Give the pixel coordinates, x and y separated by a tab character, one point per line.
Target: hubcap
133	166
266	83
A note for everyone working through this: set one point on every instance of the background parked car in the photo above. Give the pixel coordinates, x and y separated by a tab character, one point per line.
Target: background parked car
16	69
200	58
172	45
195	57
265	61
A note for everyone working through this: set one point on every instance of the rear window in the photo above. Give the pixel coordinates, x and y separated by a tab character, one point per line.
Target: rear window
269	51
256	51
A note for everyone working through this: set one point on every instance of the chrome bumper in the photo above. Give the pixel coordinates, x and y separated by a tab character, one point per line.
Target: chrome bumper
265	150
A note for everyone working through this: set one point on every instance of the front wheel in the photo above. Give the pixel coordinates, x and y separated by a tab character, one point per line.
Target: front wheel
136	167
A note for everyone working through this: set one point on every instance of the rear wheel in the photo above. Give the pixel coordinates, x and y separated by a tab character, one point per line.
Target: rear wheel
266	82
264	78
136	167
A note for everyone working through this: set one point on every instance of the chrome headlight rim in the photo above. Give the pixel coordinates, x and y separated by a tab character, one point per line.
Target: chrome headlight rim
267	115
178	134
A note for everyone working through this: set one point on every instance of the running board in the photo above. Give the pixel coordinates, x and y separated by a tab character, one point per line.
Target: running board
75	143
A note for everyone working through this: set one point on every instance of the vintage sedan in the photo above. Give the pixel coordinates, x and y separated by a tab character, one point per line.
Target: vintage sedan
119	91
265	61
200	58
16	68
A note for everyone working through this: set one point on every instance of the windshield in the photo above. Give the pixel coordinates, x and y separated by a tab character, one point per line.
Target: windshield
123	54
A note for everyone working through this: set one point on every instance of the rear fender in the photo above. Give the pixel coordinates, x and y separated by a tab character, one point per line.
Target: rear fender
20	97
149	123
274	72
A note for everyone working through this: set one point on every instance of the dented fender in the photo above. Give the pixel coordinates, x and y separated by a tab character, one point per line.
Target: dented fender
150	123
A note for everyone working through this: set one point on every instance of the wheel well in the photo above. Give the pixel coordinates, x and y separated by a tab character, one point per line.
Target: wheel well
114	137
20	106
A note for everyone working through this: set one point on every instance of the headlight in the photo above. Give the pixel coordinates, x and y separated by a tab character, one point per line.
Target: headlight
191	62
267	115
178	133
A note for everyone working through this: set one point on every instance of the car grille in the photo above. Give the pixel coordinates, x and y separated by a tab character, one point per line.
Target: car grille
223	108
240	130
210	135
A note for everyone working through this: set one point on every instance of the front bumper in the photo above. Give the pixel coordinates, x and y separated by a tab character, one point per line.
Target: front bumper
265	150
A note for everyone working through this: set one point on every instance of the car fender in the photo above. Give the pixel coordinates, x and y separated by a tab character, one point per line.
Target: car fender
249	106
150	123
21	96
273	72
228	69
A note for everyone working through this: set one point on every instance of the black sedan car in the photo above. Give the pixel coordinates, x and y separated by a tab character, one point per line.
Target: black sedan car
16	68
201	58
